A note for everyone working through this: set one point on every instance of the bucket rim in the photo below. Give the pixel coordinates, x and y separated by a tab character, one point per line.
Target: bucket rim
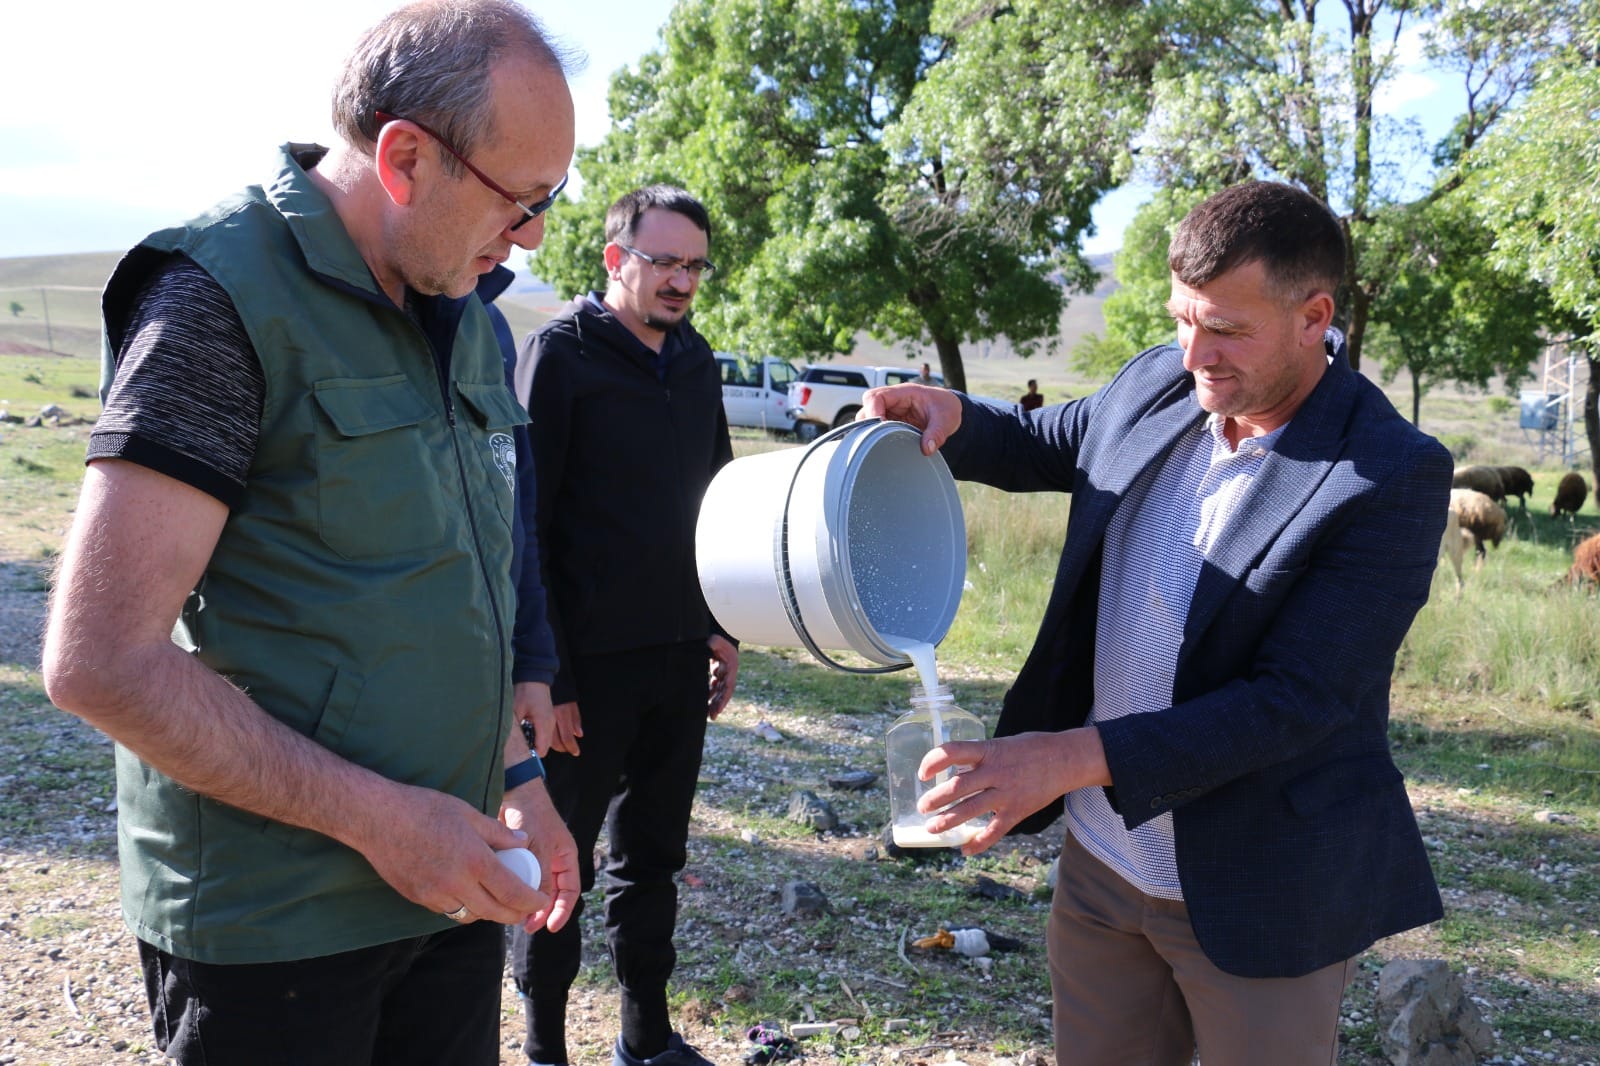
858	439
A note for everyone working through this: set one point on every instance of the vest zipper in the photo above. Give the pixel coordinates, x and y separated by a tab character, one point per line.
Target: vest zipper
501	640
442	370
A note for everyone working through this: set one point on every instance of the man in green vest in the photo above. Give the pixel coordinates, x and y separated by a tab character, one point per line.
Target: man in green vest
287	594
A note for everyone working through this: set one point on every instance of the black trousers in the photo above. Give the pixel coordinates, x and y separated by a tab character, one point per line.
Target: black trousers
644	725
422	1001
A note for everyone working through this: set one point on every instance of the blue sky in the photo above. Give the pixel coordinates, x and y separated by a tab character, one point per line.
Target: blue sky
124	116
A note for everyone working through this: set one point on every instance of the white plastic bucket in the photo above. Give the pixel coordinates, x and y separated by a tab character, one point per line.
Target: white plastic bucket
835	546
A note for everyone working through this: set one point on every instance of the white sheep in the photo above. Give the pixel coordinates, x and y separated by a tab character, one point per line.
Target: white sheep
1454	544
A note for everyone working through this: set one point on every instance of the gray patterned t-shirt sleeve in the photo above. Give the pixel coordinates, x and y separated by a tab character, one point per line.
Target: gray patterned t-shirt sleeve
187	394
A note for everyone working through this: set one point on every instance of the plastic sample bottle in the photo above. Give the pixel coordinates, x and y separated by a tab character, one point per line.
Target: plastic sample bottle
934	719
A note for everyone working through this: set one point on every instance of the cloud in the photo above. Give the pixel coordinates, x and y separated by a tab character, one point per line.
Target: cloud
1405	88
1414	80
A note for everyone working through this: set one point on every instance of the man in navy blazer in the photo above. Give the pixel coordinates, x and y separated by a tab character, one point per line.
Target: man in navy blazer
1253	529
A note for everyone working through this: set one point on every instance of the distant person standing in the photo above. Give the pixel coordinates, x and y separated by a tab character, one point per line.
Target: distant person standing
1033	399
628	429
926	377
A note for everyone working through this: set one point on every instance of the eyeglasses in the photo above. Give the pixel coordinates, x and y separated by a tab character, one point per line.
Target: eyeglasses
665	266
531	211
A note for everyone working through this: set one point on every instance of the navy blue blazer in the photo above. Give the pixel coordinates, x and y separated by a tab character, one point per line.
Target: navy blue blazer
1296	843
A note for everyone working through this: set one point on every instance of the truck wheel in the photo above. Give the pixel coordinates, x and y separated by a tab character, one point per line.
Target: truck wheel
845	416
806	432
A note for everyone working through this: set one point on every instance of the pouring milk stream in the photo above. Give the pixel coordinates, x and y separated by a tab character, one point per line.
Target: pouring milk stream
855	543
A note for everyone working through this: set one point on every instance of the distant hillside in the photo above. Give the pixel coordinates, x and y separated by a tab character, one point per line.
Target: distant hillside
88	269
71	294
72	285
994	368
51	303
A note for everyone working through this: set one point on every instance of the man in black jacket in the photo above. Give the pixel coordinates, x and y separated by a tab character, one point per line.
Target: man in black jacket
628	429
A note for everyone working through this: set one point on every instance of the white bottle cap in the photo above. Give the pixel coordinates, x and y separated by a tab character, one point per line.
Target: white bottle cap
521	862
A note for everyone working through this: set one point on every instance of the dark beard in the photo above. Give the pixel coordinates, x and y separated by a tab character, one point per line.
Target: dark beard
664	322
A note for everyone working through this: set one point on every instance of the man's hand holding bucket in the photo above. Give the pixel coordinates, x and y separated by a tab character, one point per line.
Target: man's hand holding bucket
936	412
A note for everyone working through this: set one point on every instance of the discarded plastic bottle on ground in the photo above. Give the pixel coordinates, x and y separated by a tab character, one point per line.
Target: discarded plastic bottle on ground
934	719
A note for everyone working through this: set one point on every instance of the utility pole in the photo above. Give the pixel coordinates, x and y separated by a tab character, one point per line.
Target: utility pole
49	338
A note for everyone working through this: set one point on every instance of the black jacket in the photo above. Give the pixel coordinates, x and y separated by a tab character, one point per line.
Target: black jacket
623	458
533	643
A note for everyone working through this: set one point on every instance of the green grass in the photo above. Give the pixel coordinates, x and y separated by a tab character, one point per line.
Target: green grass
1494	724
28	382
1516	628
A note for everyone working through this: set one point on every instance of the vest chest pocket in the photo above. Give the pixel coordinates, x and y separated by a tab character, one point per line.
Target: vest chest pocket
495	414
377	480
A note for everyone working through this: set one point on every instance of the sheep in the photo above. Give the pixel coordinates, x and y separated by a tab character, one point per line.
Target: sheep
1480	517
1453	544
1515	481
1570	494
1484	479
1585	562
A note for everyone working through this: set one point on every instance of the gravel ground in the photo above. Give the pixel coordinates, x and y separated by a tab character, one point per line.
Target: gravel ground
71	992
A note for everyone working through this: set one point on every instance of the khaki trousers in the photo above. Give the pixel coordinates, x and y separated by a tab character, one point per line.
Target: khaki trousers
1133	988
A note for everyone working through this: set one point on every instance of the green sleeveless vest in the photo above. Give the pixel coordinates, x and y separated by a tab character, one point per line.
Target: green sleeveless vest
361	594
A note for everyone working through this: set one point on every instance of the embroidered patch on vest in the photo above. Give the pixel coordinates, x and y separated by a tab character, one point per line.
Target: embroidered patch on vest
504	450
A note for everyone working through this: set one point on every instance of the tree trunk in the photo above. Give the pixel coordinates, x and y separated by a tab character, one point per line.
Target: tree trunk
1591	422
1362	77
1360	307
950	365
1416	399
924	296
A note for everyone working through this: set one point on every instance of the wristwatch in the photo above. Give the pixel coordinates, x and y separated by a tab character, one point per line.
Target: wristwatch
530	770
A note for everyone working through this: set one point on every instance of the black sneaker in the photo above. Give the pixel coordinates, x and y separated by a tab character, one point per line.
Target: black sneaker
677	1053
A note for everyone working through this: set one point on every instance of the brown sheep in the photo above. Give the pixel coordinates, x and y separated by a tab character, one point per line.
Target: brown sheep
1479	516
1586	562
1570	494
1484	479
1515	481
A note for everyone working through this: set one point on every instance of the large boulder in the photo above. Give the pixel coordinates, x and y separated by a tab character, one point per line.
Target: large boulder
1425	1017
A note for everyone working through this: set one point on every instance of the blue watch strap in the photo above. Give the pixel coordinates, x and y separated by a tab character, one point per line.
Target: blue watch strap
524	772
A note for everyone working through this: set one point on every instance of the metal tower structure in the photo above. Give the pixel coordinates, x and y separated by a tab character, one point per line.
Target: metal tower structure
1555	411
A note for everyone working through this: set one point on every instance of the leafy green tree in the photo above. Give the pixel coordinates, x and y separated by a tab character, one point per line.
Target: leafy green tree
1278	89
1446	313
16	308
1136	316
1535	181
849	185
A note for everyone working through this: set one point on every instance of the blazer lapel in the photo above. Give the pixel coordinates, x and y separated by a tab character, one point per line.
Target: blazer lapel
1125	457
1289	476
1118	458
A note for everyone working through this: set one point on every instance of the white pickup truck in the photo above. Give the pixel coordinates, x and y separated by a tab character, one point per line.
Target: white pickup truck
755	392
826	396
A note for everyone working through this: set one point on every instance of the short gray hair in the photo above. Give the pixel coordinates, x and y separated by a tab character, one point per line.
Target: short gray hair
431	62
